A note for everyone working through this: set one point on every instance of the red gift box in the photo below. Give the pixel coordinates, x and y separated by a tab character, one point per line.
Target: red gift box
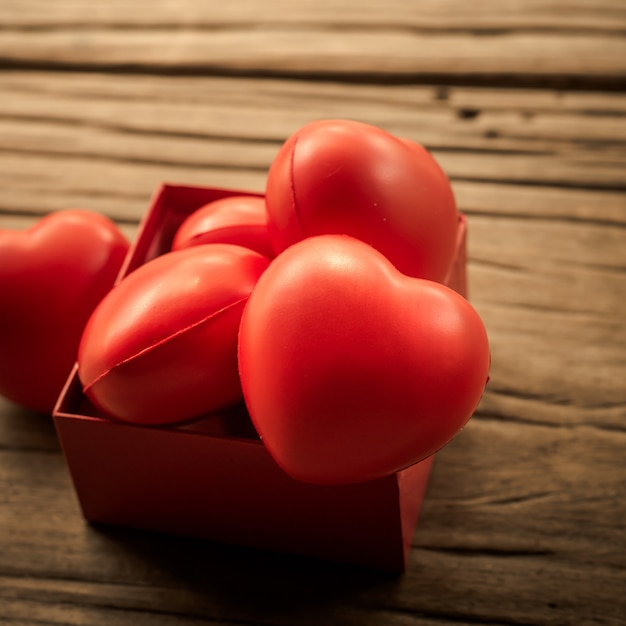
213	478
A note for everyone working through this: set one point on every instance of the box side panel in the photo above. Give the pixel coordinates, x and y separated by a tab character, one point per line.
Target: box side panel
227	490
412	483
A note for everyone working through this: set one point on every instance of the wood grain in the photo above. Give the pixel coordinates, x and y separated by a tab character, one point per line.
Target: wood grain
430	41
547	480
129	133
523	103
602	15
394	56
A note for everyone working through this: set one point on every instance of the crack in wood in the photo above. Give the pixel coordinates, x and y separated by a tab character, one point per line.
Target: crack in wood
489	551
562	401
141	132
532	217
574	82
136	160
558	184
615	30
447	616
485	416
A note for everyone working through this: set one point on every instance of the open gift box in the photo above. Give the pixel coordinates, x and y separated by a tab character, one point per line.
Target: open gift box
213	478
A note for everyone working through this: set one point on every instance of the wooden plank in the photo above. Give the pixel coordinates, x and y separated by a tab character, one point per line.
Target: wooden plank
602	15
546	480
223	107
269	92
529	526
551	295
442	125
541	203
119	189
67	602
373	55
62	144
94	608
527	348
128	134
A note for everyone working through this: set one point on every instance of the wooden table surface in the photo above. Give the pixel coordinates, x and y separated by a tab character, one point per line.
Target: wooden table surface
523	104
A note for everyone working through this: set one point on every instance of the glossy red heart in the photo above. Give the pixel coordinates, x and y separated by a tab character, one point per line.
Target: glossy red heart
51	278
352	370
161	347
240	220
345	177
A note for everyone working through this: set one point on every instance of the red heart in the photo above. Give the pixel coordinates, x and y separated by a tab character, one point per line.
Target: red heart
51	278
162	345
240	220
352	370
344	177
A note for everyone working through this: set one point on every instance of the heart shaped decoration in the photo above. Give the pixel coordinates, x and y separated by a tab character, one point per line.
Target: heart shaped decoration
161	347
345	177
52	276
240	220
352	370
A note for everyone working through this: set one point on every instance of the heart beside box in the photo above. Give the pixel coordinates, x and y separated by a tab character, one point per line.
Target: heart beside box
213	478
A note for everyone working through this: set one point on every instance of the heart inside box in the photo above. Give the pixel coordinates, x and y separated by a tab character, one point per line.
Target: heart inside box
212	477
170	207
